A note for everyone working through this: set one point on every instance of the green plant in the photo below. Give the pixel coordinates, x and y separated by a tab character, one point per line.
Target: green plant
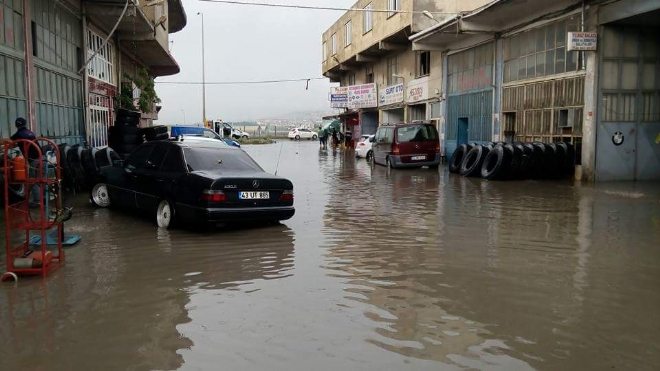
148	96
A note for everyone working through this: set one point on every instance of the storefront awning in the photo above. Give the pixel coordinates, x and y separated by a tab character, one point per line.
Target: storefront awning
497	16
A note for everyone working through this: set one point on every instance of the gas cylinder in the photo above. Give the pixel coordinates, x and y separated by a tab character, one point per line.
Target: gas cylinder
18	171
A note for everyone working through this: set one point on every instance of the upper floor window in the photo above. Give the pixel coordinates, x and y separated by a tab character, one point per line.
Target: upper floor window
369	74
423	65
368	22
101	66
348	32
334	43
350	79
392	71
393	6
325	51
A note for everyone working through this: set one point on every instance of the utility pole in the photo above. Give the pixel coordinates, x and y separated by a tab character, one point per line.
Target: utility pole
203	76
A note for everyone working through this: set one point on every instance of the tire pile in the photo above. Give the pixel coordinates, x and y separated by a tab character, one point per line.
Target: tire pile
81	165
507	161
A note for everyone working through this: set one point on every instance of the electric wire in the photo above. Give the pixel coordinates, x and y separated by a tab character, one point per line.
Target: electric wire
105	42
310	7
237	82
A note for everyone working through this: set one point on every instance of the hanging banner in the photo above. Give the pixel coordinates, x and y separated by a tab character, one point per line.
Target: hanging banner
418	90
362	96
339	97
391	95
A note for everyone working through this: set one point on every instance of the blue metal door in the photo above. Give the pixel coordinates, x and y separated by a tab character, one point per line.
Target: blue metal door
463	130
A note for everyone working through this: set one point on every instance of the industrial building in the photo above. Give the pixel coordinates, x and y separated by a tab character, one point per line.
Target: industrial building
44	47
585	72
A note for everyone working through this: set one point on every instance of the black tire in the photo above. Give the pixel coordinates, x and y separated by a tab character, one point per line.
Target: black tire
122	112
77	172
388	163
314	137
569	166
527	163
153	131
67	180
125	148
89	166
457	158
512	166
561	159
370	156
126	139
516	168
123	130
472	161
494	165
297	137
551	161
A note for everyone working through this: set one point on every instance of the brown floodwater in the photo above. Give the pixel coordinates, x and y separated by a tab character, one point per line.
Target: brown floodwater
415	269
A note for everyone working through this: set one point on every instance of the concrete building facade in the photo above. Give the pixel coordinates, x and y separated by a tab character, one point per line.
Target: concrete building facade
44	47
382	80
511	75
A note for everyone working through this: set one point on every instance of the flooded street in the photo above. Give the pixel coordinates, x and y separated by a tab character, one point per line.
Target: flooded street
415	269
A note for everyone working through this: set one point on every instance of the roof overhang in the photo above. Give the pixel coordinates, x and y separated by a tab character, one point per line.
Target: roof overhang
499	16
177	16
105	13
159	61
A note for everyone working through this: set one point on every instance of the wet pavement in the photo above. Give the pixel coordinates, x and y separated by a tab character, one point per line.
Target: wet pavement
415	269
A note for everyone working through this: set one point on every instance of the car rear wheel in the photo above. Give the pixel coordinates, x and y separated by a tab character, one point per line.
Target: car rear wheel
100	196
165	215
245	136
388	163
297	137
370	156
314	137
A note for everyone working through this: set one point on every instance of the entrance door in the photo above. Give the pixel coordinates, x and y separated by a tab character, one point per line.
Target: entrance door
463	130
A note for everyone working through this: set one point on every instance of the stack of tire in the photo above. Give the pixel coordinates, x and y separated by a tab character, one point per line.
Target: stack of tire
507	161
124	137
155	133
81	165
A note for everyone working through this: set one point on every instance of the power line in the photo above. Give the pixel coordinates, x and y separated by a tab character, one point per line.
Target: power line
237	82
231	2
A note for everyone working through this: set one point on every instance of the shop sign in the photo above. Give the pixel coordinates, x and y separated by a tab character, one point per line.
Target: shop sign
391	95
339	97
582	41
418	90
362	96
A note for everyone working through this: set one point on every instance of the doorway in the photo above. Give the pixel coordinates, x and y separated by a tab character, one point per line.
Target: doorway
463	131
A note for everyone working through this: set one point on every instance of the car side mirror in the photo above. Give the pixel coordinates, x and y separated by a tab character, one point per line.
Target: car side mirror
371	140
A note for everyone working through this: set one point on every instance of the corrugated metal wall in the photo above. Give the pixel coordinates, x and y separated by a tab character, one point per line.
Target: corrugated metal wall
478	109
57	57
13	99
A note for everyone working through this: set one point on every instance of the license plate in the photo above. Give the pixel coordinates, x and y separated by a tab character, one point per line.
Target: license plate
254	195
418	158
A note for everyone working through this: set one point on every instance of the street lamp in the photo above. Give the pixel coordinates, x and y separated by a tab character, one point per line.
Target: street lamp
203	75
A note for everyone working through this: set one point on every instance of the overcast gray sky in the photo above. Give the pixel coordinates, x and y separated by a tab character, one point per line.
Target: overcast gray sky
245	43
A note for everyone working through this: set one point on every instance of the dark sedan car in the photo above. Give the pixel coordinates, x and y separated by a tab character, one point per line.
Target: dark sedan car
195	180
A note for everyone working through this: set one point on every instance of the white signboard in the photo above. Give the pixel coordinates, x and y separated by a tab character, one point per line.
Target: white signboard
362	96
582	41
418	90
339	97
391	95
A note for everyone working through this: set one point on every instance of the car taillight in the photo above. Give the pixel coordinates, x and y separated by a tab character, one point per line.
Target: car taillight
210	195
437	147
395	148
287	196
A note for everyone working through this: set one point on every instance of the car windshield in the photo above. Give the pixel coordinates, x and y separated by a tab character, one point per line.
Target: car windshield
219	159
416	133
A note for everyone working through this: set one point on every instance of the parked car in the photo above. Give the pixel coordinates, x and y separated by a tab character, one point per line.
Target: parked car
407	145
363	147
196	131
302	133
194	180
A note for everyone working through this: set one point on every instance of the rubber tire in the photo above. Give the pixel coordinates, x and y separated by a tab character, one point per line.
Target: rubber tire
551	161
457	158
370	156
126	139
570	159
527	163
96	201
516	161
77	172
125	148
89	166
101	158
297	137
388	163
561	156
67	180
244	137
472	161
169	221
124	113
123	130
494	165
314	137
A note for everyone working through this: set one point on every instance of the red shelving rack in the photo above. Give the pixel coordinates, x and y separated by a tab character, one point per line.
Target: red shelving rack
22	220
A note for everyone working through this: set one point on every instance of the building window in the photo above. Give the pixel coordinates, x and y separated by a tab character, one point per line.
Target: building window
368	18
369	75
350	79
540	52
101	66
392	70
471	70
423	64
348	32
325	51
334	43
393	6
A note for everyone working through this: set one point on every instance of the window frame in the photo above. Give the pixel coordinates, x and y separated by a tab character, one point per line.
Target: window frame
393	7
333	44
325	51
348	33
367	19
392	69
101	67
419	57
